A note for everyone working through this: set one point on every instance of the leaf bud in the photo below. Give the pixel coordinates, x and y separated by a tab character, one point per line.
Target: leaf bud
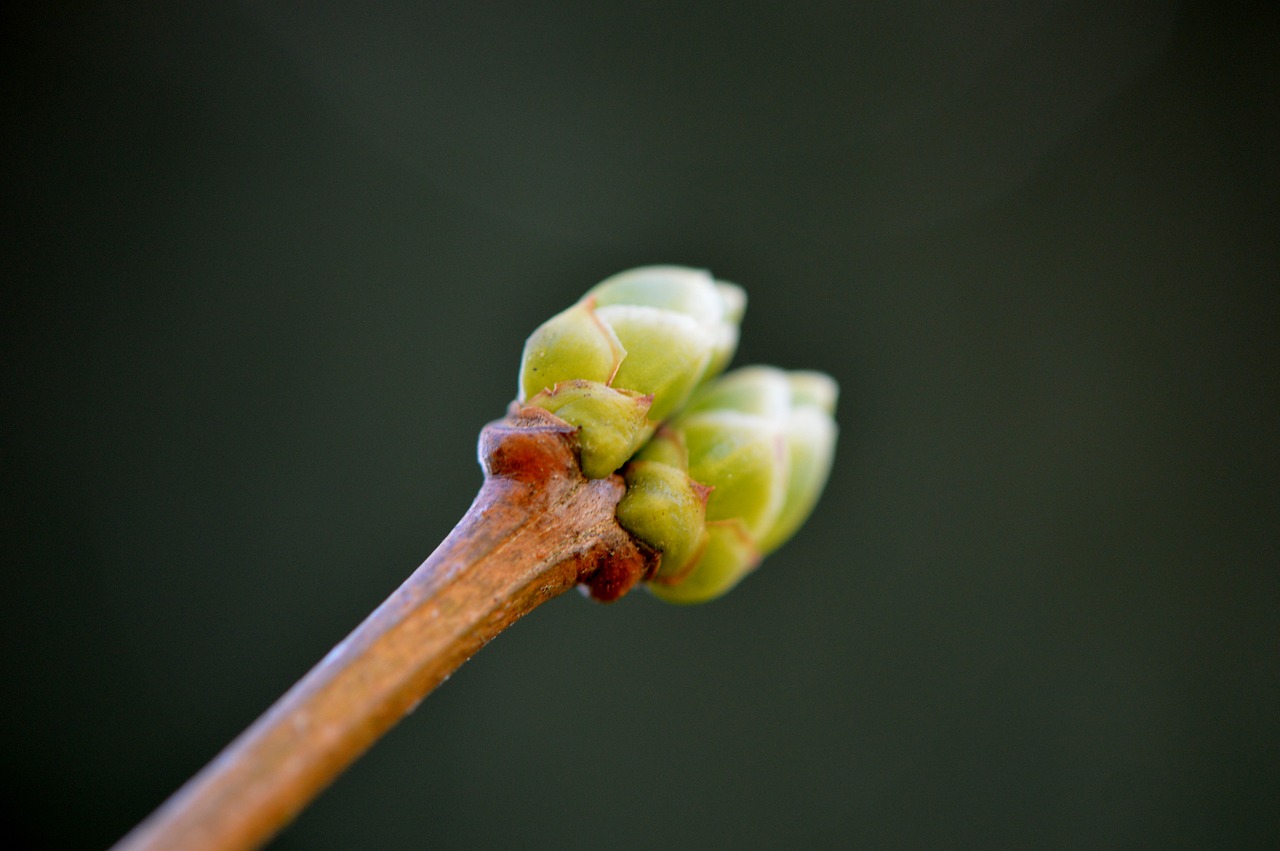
653	333
762	440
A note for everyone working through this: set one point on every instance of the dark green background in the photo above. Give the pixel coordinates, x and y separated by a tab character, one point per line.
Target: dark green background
268	271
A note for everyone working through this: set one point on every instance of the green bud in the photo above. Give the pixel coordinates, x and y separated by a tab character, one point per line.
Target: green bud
656	332
667	509
570	346
728	556
611	423
667	447
811	442
759	390
743	458
763	441
667	354
716	306
735	305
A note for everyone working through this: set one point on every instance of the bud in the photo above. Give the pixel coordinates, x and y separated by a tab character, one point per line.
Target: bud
666	509
611	423
630	354
762	441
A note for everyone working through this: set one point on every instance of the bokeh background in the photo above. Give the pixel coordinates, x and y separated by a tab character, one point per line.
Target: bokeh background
268	268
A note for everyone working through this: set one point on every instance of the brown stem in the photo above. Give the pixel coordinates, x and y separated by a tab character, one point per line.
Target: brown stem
537	528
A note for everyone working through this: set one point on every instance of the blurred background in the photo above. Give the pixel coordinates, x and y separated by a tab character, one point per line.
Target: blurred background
268	268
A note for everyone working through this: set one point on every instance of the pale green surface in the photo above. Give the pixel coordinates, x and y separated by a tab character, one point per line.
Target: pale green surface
663	507
653	331
761	390
667	354
667	446
728	557
743	458
612	423
763	440
811	442
571	345
678	288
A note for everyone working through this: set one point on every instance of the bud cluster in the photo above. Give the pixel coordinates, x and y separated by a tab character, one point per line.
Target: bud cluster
629	354
730	478
719	472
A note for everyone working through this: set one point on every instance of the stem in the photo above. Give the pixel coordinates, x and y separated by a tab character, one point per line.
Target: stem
537	528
